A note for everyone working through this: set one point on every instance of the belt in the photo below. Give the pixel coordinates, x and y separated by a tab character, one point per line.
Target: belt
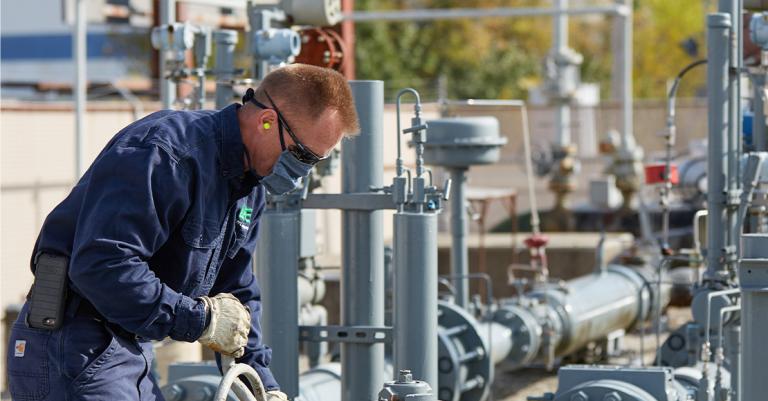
86	309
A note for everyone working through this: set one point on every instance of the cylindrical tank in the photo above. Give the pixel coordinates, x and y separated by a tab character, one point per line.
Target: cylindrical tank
415	295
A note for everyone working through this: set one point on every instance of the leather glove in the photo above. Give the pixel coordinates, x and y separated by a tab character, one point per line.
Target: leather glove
276	395
228	326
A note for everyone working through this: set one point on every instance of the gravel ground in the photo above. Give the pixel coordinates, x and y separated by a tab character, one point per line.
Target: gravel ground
517	385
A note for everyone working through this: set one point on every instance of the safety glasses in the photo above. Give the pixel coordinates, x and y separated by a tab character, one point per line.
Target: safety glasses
298	149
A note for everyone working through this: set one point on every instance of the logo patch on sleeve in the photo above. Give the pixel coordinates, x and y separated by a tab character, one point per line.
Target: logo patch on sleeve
19	348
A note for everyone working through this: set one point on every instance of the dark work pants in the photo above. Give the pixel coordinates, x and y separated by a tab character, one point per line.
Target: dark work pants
83	360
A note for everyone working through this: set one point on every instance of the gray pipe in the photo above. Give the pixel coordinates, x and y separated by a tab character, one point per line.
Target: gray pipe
560	47
582	310
474	13
759	135
225	40
459	229
277	269
362	286
733	9
167	87
753	277
599	304
415	295
623	55
79	51
718	26
499	340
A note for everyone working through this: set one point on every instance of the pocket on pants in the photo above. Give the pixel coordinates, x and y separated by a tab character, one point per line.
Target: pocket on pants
82	342
95	365
28	365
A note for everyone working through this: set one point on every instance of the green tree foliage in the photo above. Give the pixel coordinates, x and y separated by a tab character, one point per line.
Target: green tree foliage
502	57
661	27
490	58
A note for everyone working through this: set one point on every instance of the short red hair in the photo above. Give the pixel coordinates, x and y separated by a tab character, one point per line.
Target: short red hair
306	91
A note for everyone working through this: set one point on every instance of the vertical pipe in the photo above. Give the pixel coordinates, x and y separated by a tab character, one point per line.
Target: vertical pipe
362	284
718	25
167	87
626	77
560	48
459	253
277	268
415	295
733	9
225	40
759	139
79	51
753	277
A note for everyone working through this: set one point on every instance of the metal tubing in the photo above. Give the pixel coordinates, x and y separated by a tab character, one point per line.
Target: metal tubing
459	229
277	269
362	286
462	13
415	295
718	26
167	87
753	276
79	51
225	40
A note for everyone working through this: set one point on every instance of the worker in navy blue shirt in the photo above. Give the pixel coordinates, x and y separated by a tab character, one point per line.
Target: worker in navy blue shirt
160	232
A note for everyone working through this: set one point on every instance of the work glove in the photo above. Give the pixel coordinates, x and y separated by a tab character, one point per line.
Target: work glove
276	395
228	326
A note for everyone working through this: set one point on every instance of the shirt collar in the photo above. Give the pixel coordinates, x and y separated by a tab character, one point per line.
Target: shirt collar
231	147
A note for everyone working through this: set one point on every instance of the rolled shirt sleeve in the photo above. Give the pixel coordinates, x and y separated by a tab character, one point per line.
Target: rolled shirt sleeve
135	197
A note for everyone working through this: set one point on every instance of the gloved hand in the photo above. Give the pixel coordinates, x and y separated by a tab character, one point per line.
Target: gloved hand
228	326
276	395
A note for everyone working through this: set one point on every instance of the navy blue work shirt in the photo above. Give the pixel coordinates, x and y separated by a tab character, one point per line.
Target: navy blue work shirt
165	214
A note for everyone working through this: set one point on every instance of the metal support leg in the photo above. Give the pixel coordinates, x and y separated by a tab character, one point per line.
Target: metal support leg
277	268
459	252
362	285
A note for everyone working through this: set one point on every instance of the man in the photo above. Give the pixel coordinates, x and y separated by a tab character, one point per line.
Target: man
158	237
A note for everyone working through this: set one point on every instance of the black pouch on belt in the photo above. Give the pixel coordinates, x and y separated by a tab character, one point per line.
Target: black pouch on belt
49	291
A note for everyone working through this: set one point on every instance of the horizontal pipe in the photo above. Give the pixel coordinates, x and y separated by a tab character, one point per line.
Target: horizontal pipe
461	13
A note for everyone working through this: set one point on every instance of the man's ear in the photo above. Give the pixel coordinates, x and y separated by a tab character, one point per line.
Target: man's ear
267	121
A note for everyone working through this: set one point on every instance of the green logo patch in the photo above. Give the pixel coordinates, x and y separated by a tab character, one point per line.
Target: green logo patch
245	215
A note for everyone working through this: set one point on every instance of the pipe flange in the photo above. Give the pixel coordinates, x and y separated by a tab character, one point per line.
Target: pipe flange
526	335
464	363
